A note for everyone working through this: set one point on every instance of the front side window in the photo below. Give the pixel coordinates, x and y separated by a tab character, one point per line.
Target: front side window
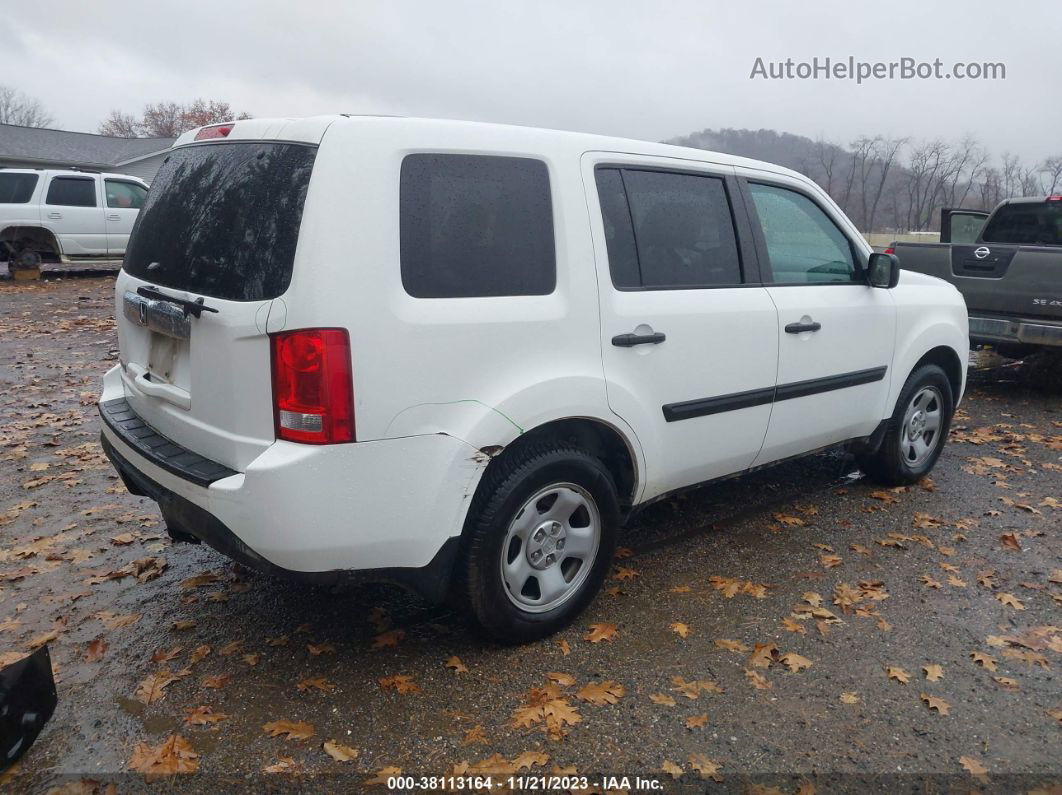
17	188
965	228
125	195
667	230
476	226
72	192
803	245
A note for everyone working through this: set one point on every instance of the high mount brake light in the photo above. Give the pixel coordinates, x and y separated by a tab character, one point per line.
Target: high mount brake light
313	387
215	131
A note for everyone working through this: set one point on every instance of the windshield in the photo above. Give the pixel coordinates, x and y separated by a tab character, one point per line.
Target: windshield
222	219
1026	223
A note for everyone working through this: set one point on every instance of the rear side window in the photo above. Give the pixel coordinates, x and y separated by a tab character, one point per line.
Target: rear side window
804	246
667	230
125	195
223	219
476	226
17	188
72	192
1026	223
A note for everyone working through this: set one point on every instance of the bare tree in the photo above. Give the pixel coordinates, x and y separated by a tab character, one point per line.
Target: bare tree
931	166
826	153
18	108
991	189
887	151
1052	169
864	159
121	125
1011	175
972	166
1030	181
169	119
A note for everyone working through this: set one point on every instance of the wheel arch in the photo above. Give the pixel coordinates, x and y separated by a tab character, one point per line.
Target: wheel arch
940	343
947	360
40	238
599	438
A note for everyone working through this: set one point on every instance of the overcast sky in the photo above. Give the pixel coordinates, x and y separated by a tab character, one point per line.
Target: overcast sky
648	70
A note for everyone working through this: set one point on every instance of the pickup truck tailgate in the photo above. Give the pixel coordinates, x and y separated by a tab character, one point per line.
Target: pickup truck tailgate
1014	280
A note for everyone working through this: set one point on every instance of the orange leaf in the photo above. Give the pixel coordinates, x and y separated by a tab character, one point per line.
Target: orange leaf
294	730
600	632
173	755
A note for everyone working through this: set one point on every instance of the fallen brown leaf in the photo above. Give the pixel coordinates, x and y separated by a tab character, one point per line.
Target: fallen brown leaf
341	753
400	683
458	666
293	730
153	688
934	672
203	716
939	704
705	767
984	660
173	755
600	632
899	674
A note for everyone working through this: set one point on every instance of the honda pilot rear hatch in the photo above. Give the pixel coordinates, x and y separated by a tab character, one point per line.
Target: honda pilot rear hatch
212	248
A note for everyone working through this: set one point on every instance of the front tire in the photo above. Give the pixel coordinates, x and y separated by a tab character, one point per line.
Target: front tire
538	541
917	430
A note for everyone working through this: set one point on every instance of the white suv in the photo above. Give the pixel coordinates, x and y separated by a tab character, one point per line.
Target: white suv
459	355
46	214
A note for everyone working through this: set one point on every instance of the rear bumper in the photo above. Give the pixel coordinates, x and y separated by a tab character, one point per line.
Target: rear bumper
386	510
186	518
1027	332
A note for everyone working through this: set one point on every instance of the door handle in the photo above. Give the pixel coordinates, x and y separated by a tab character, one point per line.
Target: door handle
55	216
114	217
630	340
799	328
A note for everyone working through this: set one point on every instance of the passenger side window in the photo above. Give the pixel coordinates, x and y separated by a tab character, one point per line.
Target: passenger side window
475	225
72	192
125	195
666	230
804	245
17	188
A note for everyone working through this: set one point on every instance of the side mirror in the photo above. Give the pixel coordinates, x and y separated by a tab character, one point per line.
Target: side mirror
883	270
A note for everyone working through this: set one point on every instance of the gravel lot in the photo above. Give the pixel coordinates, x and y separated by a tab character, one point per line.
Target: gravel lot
781	630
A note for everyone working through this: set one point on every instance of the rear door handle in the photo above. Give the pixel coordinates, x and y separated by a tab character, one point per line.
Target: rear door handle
799	328
55	216
114	217
630	340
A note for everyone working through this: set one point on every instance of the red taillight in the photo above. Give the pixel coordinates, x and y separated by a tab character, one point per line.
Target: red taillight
313	389
889	250
216	131
1054	198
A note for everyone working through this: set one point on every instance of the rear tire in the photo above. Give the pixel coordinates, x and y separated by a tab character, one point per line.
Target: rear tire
917	430
538	541
26	259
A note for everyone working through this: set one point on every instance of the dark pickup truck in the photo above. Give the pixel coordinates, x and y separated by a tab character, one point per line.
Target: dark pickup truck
1008	266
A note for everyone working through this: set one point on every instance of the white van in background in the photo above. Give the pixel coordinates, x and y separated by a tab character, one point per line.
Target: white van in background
48	214
459	355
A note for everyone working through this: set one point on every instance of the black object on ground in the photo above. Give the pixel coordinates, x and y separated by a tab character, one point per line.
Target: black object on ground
27	701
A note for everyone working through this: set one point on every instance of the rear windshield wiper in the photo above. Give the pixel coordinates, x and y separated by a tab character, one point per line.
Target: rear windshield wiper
194	308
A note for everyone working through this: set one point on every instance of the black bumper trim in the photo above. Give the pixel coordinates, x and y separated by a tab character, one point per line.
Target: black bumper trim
159	450
184	518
